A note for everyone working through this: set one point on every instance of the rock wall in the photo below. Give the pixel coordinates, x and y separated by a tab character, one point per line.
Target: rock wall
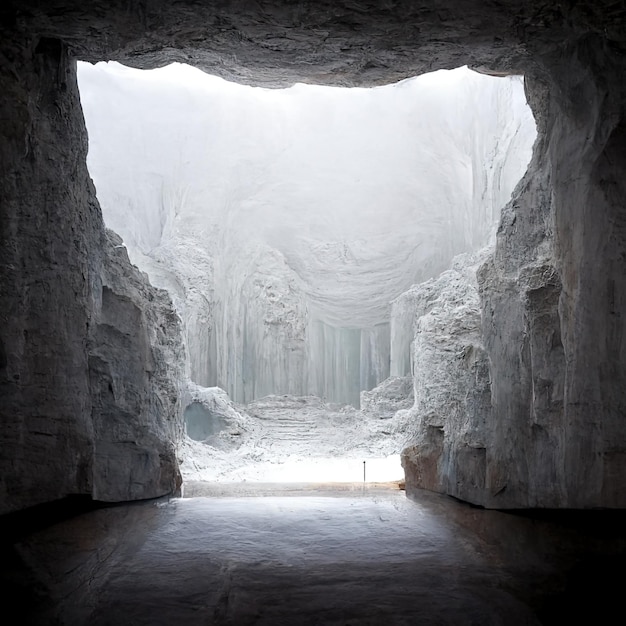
86	404
50	257
136	367
448	427
553	295
551	299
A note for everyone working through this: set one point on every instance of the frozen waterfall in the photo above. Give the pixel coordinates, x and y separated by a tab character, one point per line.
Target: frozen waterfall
285	222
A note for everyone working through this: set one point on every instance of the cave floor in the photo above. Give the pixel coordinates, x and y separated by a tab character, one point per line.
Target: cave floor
370	556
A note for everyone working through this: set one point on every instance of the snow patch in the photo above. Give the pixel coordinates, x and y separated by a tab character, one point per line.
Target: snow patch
296	439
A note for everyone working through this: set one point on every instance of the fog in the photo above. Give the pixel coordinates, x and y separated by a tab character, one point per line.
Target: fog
284	222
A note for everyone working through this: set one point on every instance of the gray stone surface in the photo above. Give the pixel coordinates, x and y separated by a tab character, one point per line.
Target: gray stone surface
136	365
50	257
448	427
89	351
552	296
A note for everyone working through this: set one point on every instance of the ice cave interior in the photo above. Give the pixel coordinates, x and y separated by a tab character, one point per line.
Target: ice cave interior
511	423
291	228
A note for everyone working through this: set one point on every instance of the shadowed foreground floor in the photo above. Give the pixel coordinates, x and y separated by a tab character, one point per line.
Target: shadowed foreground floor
341	557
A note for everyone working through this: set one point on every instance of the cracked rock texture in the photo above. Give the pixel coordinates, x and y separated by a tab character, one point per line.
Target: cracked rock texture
551	297
136	362
89	352
448	427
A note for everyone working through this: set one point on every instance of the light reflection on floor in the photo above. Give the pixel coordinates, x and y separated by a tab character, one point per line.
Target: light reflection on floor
320	557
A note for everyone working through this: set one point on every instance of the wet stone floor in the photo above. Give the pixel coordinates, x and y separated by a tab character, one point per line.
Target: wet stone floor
361	556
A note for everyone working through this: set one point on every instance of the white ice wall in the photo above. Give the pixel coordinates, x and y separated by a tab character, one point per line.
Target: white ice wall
284	222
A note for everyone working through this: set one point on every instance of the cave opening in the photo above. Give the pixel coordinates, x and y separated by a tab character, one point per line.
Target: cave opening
290	227
531	418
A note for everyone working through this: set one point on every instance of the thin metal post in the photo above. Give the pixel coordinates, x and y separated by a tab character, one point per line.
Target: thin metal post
363	471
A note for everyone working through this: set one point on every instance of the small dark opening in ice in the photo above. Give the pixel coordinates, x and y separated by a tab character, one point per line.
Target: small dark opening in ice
201	423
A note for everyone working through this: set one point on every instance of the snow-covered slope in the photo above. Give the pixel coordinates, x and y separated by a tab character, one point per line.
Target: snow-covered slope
289	438
284	222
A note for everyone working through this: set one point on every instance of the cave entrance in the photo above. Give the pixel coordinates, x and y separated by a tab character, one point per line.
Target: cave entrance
288	225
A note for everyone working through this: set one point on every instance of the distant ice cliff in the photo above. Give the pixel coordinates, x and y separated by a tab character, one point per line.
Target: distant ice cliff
285	222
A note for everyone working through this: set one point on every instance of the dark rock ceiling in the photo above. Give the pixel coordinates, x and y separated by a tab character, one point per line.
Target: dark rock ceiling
333	42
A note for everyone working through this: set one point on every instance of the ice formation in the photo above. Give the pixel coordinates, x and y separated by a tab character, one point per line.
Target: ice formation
285	222
295	438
